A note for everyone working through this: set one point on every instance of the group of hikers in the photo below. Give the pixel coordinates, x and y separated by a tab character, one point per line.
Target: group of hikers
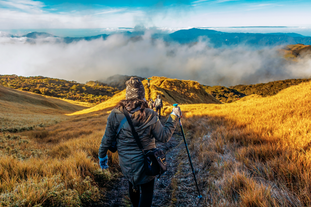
132	129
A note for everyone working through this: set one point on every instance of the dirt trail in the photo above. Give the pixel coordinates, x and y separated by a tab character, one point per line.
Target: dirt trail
172	189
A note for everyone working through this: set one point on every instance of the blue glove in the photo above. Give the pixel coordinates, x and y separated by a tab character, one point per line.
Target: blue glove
103	162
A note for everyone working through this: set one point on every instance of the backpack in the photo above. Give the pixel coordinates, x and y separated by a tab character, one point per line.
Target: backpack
158	102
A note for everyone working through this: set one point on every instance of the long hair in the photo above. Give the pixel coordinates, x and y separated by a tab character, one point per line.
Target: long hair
131	104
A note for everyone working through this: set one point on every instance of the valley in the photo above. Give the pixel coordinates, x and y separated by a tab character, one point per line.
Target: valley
251	152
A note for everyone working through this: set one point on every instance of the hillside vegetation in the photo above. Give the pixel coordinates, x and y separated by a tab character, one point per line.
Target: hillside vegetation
23	111
292	52
92	91
171	91
234	93
46	157
254	152
57	165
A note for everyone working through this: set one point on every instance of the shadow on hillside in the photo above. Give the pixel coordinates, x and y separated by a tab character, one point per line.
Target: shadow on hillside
245	167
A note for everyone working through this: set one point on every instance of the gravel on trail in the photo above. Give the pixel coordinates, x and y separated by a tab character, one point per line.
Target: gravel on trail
174	188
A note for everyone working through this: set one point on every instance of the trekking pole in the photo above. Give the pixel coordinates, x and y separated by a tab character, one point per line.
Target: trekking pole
186	145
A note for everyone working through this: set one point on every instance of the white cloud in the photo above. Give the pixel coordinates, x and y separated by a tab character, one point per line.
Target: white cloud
99	59
13	19
110	11
28	14
222	1
28	6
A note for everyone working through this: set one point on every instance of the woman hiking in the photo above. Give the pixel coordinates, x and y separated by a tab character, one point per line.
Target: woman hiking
149	128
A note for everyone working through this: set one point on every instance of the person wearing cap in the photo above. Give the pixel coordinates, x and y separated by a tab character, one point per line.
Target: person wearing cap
149	128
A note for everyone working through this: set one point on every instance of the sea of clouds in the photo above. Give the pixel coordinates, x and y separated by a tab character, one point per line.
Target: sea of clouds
98	59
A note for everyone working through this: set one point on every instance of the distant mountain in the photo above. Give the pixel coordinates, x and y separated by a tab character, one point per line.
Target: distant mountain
35	35
118	81
190	36
219	39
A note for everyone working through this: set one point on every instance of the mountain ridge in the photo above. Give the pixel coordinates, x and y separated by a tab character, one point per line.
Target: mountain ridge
187	36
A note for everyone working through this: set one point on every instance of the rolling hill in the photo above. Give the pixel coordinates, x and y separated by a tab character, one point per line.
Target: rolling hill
171	91
20	110
292	52
92	91
253	152
234	93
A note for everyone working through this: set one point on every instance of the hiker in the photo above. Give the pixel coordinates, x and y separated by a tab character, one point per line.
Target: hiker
149	128
158	105
151	103
148	79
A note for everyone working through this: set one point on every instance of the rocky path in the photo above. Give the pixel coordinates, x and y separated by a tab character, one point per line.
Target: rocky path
174	188
117	195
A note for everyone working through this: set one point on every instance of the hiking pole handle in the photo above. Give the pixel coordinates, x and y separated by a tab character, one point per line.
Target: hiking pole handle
189	156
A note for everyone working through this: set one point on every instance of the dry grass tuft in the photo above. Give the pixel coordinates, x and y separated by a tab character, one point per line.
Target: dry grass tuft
254	152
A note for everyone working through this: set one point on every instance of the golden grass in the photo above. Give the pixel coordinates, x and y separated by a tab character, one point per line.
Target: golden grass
254	152
171	91
57	168
22	109
293	52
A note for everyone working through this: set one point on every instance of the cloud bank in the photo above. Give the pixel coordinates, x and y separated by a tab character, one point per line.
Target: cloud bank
98	59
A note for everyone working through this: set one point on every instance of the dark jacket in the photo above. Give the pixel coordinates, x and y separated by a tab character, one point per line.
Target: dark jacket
131	158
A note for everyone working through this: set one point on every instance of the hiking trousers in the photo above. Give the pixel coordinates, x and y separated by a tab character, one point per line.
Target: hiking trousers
143	199
158	110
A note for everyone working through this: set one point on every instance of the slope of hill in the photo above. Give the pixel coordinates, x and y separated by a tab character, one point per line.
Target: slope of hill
20	110
253	152
224	94
267	89
178	91
234	93
93	91
293	52
171	91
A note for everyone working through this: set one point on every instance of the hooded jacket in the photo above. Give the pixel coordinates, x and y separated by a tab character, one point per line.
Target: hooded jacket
149	129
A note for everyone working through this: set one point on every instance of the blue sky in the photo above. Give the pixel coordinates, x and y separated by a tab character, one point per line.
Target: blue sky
80	14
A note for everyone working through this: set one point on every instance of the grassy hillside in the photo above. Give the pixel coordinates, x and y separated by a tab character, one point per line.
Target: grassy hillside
92	91
267	89
21	110
234	93
254	152
46	157
224	94
171	91
292	52
55	165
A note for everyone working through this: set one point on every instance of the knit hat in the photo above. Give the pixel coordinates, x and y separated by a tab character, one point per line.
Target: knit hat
135	89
